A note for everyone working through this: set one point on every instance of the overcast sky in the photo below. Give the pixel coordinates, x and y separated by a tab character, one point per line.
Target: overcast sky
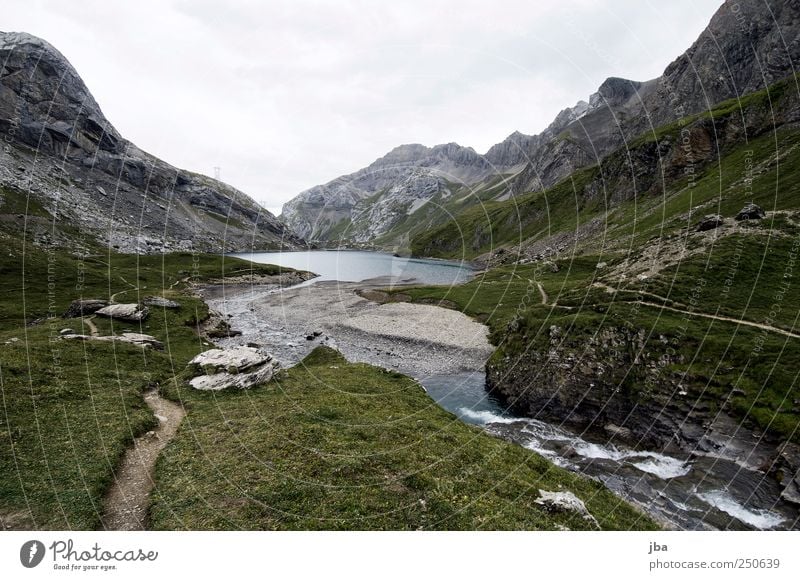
284	95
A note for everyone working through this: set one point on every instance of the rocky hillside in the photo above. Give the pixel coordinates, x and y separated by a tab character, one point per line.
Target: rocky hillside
69	171
745	48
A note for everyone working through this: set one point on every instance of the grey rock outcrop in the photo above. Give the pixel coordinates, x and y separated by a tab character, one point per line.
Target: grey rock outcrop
240	367
61	150
80	308
750	212
125	312
710	222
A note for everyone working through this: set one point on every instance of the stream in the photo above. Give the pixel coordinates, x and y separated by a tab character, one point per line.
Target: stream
702	491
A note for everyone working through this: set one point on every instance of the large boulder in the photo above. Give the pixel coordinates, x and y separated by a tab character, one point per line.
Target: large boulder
80	308
750	212
237	359
124	312
225	380
240	367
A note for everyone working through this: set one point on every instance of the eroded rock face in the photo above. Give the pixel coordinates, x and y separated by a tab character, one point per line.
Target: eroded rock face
125	312
241	367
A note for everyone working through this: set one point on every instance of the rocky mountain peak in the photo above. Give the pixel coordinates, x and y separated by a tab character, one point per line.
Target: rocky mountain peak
47	99
62	150
616	91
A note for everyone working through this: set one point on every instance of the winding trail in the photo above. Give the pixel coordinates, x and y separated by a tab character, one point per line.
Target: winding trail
92	327
684	309
542	293
132	287
717	317
126	503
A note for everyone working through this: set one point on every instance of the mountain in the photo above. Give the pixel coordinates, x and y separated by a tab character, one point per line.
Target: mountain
69	173
369	203
747	46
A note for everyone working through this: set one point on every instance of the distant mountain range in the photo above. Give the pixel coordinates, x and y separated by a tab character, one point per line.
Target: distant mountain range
747	46
74	179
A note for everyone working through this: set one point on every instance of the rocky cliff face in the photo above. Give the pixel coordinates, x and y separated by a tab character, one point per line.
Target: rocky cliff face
59	148
747	46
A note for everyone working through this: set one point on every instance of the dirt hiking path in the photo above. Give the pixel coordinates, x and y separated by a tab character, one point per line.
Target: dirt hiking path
127	501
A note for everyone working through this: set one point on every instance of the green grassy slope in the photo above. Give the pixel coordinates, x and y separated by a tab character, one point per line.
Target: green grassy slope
70	408
740	151
333	445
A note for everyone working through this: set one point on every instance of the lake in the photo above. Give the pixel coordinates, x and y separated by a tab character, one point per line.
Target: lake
356	266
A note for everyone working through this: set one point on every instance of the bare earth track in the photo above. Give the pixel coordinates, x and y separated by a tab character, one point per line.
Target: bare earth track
127	501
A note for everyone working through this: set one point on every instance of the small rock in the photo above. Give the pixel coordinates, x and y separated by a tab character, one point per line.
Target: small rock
565	501
310	337
710	222
65	331
617	431
125	312
76	337
160	302
750	212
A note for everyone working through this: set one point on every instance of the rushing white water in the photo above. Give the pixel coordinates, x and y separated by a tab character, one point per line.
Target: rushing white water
484	417
663	466
761	519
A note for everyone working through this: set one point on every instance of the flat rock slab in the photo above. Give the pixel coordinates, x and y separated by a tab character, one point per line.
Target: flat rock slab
126	312
160	302
144	340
